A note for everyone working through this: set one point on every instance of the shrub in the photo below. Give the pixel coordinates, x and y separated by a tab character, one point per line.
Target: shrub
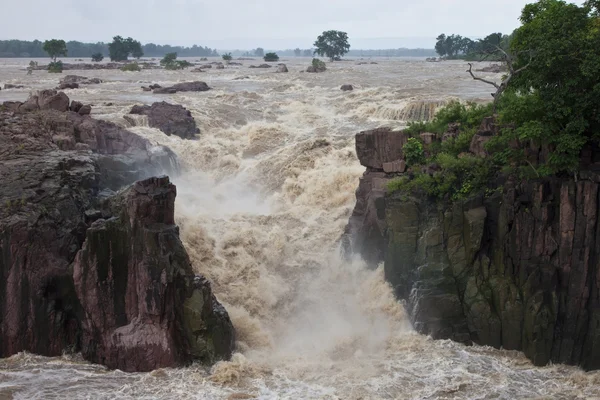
318	64
97	57
227	57
413	152
55	67
132	67
458	178
467	115
271	57
168	58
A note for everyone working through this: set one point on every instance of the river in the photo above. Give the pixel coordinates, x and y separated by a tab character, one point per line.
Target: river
264	196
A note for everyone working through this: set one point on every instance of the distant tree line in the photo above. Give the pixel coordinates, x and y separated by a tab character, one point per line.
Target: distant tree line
456	46
34	49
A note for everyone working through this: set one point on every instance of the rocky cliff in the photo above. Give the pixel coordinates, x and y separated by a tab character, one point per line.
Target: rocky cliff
519	269
84	268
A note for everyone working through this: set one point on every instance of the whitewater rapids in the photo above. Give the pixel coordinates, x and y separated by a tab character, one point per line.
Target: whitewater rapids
264	196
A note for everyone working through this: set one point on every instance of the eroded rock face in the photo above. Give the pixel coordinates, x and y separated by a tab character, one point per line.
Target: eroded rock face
379	146
170	118
518	270
59	171
143	306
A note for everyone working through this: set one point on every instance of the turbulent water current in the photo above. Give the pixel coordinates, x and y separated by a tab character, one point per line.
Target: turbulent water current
264	196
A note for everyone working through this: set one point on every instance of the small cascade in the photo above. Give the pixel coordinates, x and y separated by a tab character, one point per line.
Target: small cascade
136	120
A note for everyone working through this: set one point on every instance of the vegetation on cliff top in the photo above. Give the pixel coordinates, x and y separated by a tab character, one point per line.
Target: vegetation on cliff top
548	106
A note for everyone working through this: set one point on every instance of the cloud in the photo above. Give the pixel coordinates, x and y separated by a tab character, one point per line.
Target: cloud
245	24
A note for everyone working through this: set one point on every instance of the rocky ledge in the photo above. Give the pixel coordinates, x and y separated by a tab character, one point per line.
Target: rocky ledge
170	118
89	267
519	269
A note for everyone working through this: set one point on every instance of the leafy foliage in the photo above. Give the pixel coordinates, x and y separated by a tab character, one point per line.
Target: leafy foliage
227	57
131	67
55	48
271	57
259	52
97	57
55	67
120	49
168	58
456	46
332	44
413	152
458	178
555	100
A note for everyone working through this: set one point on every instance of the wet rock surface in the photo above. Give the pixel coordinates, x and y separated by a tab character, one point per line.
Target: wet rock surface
518	270
170	118
196	86
60	172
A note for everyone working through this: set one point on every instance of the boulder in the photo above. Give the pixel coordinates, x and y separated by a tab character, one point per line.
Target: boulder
155	86
428	138
167	90
378	146
220	66
169	118
282	68
346	88
85	110
11	86
46	100
146	89
75	106
261	66
84	80
196	86
64	86
197	70
397	166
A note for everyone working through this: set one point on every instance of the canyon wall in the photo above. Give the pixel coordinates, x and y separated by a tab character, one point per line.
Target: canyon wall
518	269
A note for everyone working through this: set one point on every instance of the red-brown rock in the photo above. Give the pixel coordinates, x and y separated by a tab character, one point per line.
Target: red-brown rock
379	146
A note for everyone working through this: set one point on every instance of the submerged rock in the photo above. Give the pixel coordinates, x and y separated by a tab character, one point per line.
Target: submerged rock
282	68
170	118
346	88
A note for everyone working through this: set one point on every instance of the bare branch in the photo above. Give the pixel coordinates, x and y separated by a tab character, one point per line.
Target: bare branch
470	71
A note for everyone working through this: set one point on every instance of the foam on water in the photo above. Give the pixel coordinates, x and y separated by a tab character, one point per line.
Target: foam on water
264	195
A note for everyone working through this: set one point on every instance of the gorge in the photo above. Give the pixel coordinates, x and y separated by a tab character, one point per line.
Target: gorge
264	194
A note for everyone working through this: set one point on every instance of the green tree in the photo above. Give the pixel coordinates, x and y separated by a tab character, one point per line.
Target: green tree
297	52
55	48
120	49
168	58
259	52
332	44
97	57
227	57
271	57
554	101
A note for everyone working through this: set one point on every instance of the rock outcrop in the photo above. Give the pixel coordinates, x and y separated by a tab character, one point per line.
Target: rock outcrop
519	269
143	307
196	86
346	88
281	68
261	66
60	171
170	118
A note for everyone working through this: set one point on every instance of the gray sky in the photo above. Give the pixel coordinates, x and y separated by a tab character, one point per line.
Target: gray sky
245	24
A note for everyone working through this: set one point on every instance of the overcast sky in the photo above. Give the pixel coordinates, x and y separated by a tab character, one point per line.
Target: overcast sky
246	24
